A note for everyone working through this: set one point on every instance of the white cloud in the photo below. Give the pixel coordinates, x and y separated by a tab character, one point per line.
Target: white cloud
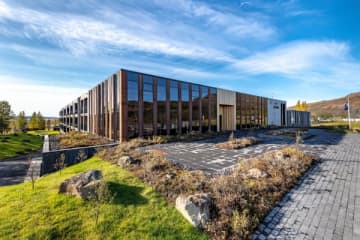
317	62
82	35
245	26
24	95
293	57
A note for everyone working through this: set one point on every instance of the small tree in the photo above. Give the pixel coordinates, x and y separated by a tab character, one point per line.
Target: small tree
5	116
81	156
60	162
32	172
21	121
102	196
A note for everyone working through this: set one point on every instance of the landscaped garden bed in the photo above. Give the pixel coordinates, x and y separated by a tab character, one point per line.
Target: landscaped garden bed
237	143
78	139
241	199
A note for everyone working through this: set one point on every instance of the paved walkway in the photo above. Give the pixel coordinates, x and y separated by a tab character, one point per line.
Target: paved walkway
326	204
14	170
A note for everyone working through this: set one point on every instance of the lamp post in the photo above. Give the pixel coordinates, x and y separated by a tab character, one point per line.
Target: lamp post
348	112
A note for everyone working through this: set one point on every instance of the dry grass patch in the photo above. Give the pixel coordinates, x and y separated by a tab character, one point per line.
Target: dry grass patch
78	139
240	201
238	143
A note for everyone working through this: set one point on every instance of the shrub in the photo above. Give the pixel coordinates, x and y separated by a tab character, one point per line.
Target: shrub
240	202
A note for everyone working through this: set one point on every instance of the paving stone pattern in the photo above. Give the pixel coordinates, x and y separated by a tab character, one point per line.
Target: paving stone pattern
326	203
204	155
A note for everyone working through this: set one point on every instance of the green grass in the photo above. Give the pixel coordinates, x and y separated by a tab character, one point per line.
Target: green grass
43	132
339	126
12	145
137	212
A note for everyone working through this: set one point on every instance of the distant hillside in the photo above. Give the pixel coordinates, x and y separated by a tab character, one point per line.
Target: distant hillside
335	107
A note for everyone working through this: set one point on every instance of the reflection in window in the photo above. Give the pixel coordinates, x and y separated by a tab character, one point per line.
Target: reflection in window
213	109
195	108
204	109
185	107
161	102
148	105
133	107
238	111
174	97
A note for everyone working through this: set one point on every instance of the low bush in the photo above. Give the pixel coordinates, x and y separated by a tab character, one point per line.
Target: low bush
241	202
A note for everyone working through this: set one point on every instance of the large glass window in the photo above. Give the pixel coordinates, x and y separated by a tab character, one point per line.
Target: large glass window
133	104
238	111
213	109
185	107
174	98
148	105
195	108
161	102
204	109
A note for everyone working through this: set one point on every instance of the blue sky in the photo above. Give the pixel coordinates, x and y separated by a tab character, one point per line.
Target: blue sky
53	51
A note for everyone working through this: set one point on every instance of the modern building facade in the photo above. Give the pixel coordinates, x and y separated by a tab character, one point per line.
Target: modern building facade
130	104
298	118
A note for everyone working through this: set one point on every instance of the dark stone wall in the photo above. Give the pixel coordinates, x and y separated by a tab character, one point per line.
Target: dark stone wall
71	156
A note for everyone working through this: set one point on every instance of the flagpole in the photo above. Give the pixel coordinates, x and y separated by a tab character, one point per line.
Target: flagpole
348	100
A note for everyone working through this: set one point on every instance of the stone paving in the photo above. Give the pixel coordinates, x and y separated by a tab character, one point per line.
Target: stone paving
326	203
204	155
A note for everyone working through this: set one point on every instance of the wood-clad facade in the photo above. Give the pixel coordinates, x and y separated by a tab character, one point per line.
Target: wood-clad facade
130	104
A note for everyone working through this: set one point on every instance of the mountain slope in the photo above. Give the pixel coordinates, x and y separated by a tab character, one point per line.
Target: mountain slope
335	107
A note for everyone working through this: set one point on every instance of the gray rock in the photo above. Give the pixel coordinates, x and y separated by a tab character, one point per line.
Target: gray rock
126	161
256	173
81	185
195	208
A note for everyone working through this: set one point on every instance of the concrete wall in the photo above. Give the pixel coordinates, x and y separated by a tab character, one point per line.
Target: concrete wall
71	156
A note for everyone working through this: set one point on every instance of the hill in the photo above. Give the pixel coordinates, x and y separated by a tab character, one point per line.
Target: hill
335	107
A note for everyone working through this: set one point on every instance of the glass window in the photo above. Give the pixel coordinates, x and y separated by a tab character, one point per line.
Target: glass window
238	111
195	108
148	105
174	116
133	107
213	109
161	102
204	109
185	107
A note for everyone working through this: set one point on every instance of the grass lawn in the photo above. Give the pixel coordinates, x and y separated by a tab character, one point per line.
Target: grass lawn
338	126
137	212
12	145
43	132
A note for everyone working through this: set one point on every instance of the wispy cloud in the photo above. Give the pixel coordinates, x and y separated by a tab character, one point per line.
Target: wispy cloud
83	35
244	26
309	61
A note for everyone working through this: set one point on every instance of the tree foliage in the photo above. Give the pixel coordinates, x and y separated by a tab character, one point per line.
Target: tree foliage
21	122
301	106
37	122
5	116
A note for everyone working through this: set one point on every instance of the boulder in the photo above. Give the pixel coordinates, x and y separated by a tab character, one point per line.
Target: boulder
195	208
82	185
126	161
256	173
